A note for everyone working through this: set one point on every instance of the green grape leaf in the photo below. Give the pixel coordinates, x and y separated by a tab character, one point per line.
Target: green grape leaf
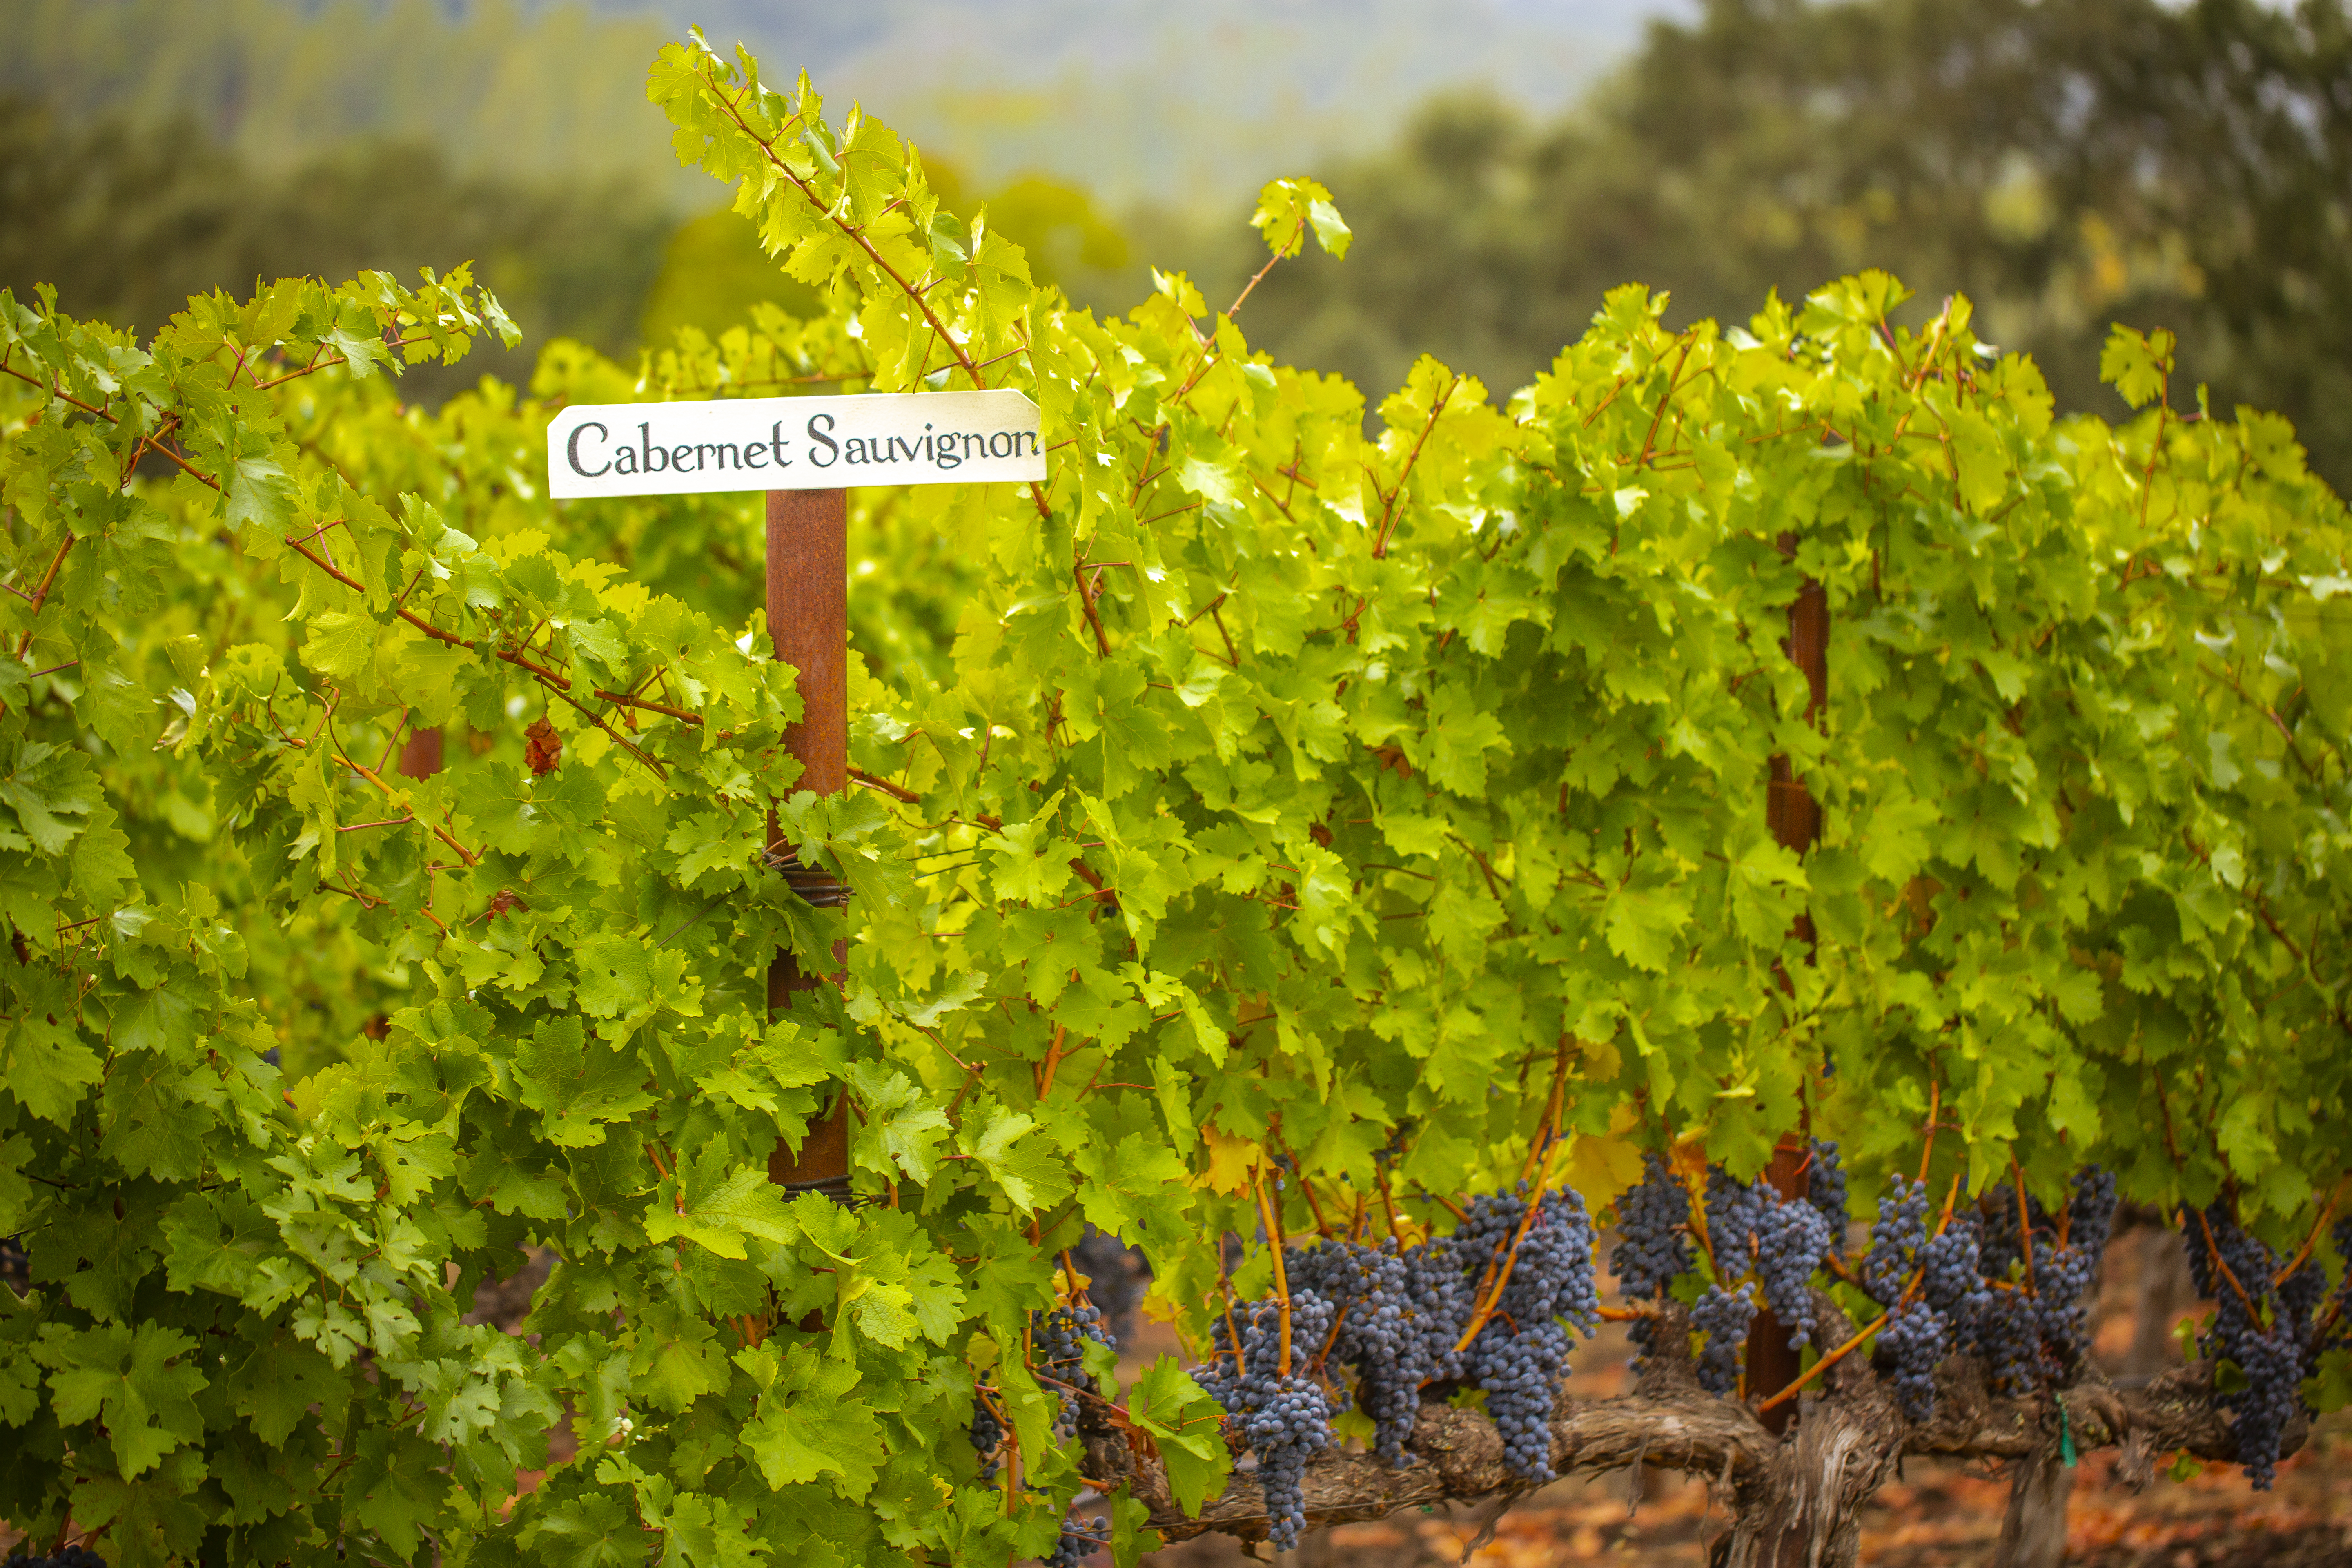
717	1210
138	1381
806	1425
339	644
49	1068
578	1083
1187	1427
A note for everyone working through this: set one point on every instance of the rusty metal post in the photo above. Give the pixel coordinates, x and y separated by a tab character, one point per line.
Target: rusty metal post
808	616
1795	819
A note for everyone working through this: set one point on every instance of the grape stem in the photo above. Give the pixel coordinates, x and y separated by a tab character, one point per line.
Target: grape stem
1281	1274
1827	1362
1935	1108
2214	1250
2025	1226
1083	1392
1500	1271
1388	1205
1446	1203
2303	1253
1298	1169
1331	1339
1540	1147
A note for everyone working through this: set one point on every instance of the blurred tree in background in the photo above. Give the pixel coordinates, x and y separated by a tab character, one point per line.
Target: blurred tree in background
128	218
2065	163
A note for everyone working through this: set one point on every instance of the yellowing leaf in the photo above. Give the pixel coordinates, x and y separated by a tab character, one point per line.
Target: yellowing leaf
1232	1162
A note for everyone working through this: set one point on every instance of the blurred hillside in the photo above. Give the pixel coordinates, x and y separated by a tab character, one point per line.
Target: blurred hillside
1184	107
1134	101
503	88
2064	163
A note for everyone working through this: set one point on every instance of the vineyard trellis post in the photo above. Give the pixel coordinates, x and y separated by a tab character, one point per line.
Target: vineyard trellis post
808	619
1794	817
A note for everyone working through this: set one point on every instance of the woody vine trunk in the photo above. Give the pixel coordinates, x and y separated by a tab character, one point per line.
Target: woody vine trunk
1796	1496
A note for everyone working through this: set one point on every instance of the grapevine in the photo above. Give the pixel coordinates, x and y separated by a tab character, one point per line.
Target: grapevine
1301	817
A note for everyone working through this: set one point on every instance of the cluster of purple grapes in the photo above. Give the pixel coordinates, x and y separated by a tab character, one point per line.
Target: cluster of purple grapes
1976	1292
1519	1355
1825	1189
1750	1229
1916	1339
1395	1319
2029	1326
2274	1356
1792	1239
1651	1251
1379	1336
1276	1406
65	1557
1783	1241
1896	1238
2036	1333
1732	1209
1080	1539
1721	1318
1057	1341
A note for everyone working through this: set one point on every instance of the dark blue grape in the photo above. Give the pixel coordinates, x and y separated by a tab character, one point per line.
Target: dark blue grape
2003	1244
2300	1296
1951	1278
2091	1211
1520	1354
1376	1338
2061	1277
2007	1333
1733	1208
1280	1411
2273	1366
1395	1319
65	1557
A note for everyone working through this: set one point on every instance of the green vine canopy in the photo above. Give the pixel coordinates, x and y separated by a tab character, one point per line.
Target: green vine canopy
1290	819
